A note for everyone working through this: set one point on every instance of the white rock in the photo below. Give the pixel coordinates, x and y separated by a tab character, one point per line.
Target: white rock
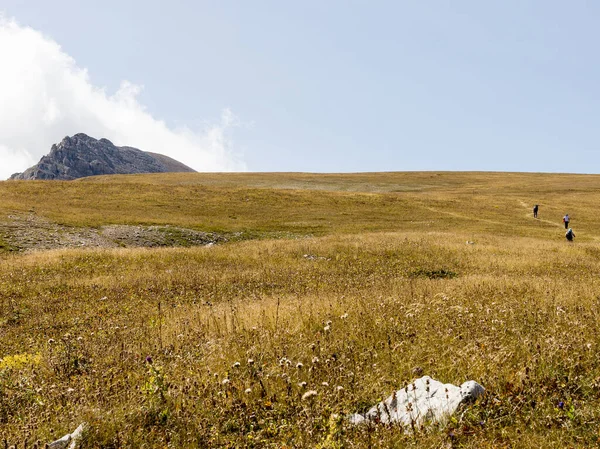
425	401
70	440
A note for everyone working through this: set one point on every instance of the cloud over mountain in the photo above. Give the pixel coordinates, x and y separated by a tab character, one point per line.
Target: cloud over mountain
46	96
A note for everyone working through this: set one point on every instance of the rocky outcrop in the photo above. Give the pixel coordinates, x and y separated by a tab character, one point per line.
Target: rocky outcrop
424	401
81	155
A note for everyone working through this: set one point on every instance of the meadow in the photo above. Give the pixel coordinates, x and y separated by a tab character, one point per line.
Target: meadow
348	285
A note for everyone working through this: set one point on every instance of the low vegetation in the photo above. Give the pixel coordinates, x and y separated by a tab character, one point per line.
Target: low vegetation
338	290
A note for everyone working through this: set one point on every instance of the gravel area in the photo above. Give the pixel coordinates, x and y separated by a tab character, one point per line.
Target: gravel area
28	232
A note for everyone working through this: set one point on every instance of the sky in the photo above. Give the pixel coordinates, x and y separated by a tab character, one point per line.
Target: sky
313	86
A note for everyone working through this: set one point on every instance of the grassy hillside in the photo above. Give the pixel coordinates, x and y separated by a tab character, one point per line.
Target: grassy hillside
309	204
368	283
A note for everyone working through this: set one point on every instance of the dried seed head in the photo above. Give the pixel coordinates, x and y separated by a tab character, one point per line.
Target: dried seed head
310	394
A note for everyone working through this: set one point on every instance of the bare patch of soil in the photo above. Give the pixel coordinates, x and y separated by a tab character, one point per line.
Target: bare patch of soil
29	232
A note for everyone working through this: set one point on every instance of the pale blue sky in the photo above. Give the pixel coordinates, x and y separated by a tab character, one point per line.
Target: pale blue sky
336	86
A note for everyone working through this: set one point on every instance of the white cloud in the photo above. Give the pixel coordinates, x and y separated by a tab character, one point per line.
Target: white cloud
45	96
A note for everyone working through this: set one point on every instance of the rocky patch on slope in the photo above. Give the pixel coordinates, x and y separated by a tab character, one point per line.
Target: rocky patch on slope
27	232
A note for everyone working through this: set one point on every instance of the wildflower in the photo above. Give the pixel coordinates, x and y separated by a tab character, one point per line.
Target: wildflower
236	365
561	405
149	359
309	395
299	365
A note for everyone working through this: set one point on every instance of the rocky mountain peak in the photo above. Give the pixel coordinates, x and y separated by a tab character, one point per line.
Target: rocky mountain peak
80	156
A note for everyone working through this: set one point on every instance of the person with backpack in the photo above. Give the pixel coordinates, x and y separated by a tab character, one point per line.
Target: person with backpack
566	220
535	211
570	235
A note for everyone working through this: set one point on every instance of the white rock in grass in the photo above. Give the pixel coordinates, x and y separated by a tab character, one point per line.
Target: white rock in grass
425	401
70	440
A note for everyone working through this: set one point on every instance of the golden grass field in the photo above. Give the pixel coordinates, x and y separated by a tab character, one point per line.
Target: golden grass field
382	257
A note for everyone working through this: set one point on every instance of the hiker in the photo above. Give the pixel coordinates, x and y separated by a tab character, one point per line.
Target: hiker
566	221
535	209
570	235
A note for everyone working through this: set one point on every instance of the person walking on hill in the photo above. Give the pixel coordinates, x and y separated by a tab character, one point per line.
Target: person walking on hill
566	220
535	210
570	235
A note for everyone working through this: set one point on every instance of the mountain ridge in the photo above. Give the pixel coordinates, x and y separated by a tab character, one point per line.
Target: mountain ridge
80	156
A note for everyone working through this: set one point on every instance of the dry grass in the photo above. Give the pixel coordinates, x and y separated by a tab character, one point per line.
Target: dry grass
518	311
